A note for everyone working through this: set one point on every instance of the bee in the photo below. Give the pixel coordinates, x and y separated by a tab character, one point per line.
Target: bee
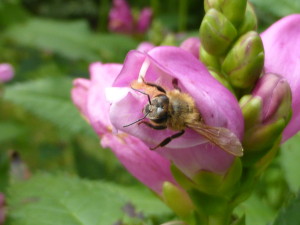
177	111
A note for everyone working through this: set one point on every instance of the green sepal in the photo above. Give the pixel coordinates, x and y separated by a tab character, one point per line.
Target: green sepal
216	32
252	110
250	21
258	140
181	178
234	10
209	60
215	209
222	80
208	182
231	179
244	62
209	4
177	200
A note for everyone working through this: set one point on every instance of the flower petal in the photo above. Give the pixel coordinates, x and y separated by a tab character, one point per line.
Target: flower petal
102	76
144	21
191	45
147	166
79	94
282	56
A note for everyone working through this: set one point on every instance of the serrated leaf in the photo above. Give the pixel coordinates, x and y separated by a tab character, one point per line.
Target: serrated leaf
289	215
289	159
63	200
49	98
70	39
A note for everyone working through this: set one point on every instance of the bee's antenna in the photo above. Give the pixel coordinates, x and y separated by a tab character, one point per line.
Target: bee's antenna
149	100
137	120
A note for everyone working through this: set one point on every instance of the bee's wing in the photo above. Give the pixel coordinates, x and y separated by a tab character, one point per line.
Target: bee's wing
219	136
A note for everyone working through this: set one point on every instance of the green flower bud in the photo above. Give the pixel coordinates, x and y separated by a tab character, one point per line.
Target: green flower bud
233	10
177	200
244	62
251	109
209	60
222	80
216	32
250	21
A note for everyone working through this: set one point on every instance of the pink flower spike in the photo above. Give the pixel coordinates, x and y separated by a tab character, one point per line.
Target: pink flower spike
144	21
282	56
6	72
120	17
191	45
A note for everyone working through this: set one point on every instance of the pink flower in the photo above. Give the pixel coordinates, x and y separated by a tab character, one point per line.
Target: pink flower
6	72
89	96
108	103
121	19
282	56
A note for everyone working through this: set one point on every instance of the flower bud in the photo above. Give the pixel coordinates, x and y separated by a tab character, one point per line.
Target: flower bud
233	10
244	62
177	200
209	60
216	32
276	96
250	21
266	113
6	72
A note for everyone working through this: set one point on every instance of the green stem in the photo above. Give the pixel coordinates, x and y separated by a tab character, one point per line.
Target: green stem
104	7
183	14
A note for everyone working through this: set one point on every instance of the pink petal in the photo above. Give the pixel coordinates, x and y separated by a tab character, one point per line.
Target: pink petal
191	45
147	166
145	47
282	56
79	94
6	72
102	76
144	21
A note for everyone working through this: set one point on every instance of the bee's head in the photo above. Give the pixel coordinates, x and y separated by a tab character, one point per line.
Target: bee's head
157	109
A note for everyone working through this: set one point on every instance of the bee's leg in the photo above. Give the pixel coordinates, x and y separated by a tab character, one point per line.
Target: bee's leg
156	127
159	88
175	84
168	140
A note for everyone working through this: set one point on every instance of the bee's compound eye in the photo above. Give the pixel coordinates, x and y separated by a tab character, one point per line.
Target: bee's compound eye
147	108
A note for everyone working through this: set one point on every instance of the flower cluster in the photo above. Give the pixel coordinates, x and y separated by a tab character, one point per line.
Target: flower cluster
121	19
108	102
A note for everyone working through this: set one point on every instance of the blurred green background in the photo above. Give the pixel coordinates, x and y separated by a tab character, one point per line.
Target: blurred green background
47	147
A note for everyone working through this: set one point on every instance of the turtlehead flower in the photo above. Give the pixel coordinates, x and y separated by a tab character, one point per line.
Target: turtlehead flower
108	103
6	72
121	19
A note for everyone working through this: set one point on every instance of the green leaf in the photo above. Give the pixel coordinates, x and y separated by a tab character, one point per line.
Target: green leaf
289	215
4	170
49	98
257	212
10	131
70	39
289	159
63	200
